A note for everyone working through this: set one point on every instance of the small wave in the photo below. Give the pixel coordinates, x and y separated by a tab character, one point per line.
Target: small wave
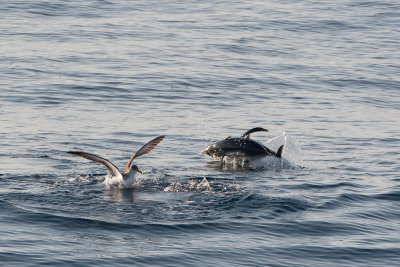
321	228
63	221
346	199
323	186
383	215
343	200
256	205
392	196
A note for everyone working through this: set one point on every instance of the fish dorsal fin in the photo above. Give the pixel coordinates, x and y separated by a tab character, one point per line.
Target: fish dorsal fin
253	130
279	152
143	150
229	137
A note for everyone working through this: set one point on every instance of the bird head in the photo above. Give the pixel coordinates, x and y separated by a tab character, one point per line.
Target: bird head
134	167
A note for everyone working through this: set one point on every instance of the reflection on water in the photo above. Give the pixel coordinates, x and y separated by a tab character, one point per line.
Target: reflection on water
121	194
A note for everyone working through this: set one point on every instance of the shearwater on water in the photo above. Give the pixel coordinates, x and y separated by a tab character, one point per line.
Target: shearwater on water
127	178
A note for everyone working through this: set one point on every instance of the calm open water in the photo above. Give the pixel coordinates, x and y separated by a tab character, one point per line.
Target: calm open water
107	76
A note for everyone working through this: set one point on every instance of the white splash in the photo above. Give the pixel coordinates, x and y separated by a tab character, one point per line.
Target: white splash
174	187
193	186
204	185
291	150
113	181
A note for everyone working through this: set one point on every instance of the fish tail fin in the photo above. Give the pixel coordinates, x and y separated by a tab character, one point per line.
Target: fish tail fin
280	150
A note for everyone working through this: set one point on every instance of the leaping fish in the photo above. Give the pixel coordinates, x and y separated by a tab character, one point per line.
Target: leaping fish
241	146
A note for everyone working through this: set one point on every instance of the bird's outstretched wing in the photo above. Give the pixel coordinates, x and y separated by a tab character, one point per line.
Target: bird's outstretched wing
111	167
145	149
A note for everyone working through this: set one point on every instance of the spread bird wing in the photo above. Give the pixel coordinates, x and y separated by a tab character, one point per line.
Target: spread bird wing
145	149
111	167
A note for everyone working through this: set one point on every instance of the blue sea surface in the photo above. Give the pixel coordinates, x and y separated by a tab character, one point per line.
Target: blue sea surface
105	77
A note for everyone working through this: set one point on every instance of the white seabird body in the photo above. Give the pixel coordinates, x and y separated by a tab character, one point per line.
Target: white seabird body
115	177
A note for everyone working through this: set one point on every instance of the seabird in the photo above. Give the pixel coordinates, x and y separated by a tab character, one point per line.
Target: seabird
127	178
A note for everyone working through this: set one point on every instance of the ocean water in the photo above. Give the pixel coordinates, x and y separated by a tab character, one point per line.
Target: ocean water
105	77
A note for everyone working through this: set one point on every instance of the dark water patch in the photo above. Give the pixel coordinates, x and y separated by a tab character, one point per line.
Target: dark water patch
31	179
97	91
319	255
22	258
272	207
283	206
319	26
5	205
42	8
384	214
390	140
327	25
322	228
349	198
346	199
373	4
94	9
81	224
350	169
311	186
390	196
